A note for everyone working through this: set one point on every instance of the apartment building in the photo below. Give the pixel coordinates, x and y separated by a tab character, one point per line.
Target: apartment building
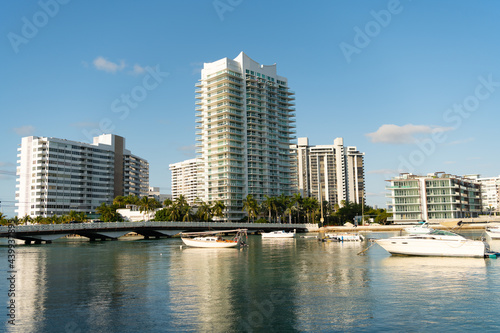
436	196
186	180
55	176
245	124
335	171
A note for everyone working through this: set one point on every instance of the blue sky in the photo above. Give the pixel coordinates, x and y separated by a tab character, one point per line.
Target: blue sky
413	84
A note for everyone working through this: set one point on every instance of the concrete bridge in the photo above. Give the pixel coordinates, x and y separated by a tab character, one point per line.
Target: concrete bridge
112	230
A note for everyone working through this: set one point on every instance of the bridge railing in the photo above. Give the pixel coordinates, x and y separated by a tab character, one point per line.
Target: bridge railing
131	225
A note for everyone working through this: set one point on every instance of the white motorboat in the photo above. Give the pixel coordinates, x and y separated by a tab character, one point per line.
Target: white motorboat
493	232
345	237
213	239
278	234
437	243
421	229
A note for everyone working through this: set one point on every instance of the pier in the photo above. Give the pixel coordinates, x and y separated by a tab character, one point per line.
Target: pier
46	233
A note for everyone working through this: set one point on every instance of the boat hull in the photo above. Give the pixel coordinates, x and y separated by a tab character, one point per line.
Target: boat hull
493	234
209	244
433	248
285	235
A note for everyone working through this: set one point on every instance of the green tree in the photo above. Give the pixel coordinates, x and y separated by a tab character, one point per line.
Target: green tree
108	213
147	205
120	201
251	206
3	219
204	212
269	204
218	209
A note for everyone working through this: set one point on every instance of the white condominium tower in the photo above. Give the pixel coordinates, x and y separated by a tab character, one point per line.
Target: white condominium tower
56	176
339	169
186	177
245	119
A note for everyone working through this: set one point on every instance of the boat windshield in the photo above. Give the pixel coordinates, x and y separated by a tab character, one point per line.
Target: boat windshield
443	233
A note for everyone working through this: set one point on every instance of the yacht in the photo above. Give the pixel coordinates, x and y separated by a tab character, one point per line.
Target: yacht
437	243
278	234
493	232
345	237
422	228
213	238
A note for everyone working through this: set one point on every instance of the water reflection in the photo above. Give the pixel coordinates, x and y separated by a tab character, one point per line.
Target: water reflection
201	287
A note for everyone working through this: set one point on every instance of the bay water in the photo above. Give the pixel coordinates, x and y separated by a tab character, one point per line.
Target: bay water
273	285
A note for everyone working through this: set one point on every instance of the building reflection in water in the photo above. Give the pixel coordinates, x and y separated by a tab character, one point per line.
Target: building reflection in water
201	287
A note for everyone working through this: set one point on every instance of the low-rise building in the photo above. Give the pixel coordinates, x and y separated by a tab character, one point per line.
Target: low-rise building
437	196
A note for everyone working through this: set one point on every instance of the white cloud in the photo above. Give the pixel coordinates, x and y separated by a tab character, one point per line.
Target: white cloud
137	69
103	64
25	130
383	172
187	150
394	134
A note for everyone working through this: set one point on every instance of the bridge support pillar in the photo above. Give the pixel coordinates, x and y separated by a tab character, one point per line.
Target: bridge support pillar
27	242
146	237
38	242
157	237
48	242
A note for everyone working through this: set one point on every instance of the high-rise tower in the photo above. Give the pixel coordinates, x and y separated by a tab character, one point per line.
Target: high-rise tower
245	119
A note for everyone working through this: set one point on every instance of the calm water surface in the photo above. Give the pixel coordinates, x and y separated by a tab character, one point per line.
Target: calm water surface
283	285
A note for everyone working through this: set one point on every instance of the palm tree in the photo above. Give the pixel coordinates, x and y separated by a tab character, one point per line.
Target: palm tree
251	206
120	201
15	220
204	212
268	204
218	208
167	203
72	216
3	220
310	204
289	208
147	204
297	200
108	213
26	218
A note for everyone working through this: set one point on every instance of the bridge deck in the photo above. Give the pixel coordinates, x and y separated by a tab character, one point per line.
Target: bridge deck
146	228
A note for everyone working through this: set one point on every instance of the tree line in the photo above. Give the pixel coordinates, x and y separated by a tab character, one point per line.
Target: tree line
284	209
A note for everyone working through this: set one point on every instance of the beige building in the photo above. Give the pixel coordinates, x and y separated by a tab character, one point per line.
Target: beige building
335	171
186	178
56	176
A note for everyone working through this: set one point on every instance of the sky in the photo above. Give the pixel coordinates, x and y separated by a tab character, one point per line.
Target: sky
415	85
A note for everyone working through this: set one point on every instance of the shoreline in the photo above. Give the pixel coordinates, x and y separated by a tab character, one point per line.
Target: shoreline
382	228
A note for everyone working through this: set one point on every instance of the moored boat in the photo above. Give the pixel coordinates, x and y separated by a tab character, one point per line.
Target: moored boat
213	239
278	234
345	237
422	228
493	232
437	243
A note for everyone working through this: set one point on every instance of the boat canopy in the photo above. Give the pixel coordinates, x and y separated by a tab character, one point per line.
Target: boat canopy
202	233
